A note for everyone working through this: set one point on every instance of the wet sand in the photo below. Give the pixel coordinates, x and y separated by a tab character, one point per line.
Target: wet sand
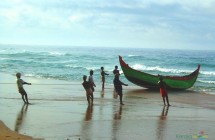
59	110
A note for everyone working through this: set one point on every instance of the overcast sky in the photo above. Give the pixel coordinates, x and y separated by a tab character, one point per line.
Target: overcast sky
175	24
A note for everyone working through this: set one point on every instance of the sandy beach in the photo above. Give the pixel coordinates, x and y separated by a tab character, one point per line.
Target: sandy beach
59	111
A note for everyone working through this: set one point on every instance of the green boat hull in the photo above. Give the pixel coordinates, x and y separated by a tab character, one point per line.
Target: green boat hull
151	81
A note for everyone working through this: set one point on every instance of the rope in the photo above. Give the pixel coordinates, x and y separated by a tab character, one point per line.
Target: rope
38	84
6	83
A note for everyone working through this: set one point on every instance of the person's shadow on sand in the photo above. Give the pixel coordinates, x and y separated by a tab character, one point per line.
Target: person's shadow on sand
118	115
162	123
164	113
89	113
20	117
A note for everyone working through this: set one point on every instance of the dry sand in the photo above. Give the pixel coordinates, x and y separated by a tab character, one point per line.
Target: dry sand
60	112
7	134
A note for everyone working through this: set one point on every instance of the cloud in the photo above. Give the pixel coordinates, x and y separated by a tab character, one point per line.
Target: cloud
94	12
121	21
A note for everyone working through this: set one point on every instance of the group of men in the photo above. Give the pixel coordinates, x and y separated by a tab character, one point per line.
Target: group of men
89	86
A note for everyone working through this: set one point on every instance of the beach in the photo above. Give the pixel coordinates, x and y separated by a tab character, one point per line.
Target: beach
59	111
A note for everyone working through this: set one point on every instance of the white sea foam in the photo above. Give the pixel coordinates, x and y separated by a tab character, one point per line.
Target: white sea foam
30	75
4	58
57	53
158	68
207	82
92	68
208	72
74	66
131	55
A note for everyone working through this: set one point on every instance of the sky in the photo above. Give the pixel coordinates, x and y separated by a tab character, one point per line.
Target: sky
171	24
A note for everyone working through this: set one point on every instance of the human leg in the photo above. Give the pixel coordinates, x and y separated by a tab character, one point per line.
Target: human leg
120	97
103	83
167	100
25	95
26	98
92	98
22	92
164	100
23	98
88	99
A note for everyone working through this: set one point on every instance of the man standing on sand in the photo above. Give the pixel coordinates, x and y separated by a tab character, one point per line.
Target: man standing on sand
118	87
163	91
115	71
86	85
103	73
92	84
22	91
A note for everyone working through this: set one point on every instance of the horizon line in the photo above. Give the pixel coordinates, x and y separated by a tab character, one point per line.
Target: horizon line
82	46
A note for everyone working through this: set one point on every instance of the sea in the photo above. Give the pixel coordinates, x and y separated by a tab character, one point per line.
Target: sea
71	63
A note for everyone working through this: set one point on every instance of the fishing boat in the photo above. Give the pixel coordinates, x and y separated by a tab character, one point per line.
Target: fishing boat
150	81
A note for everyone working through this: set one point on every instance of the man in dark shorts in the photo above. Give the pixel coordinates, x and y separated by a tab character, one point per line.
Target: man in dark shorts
21	90
118	87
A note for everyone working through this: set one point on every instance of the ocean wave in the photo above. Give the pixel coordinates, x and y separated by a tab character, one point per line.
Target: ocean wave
158	68
12	51
93	68
31	75
212	73
207	82
75	67
131	55
31	52
169	70
4	58
57	53
50	76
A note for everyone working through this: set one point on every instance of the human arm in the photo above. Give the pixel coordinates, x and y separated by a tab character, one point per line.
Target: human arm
106	73
26	83
22	82
123	83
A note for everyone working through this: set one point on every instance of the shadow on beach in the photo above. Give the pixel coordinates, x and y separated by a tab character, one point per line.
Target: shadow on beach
161	124
156	91
118	114
21	117
89	113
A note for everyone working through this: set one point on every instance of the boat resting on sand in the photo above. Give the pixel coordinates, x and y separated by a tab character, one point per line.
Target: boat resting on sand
151	81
